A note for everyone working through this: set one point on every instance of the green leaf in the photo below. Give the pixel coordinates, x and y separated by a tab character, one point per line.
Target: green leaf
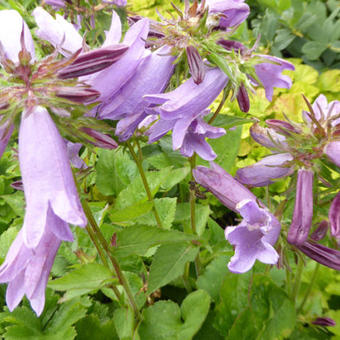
135	192
16	201
212	278
176	176
163	320
92	328
6	239
283	38
84	279
168	263
313	49
131	212
138	239
115	170
124	323
166	209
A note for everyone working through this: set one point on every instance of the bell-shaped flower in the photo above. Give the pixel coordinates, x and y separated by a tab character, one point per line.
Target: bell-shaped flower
26	270
259	230
266	170
47	177
11	27
303	209
232	12
334	217
128	105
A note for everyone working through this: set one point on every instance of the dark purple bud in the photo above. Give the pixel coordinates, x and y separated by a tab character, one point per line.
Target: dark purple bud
93	61
334	217
320	232
324	321
303	209
243	98
196	64
4	106
230	45
282	126
77	94
327	256
17	185
100	140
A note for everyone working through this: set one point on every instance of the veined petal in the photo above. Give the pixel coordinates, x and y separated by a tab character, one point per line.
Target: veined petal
46	175
58	32
11	25
190	97
266	170
109	81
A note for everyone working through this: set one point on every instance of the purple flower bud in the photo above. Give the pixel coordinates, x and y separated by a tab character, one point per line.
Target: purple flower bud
282	127
100	140
320	232
303	209
327	256
196	65
324	321
243	98
77	94
55	3
17	185
334	217
93	61
230	45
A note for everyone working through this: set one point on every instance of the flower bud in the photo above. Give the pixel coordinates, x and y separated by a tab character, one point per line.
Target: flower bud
77	94
243	98
320	232
230	45
100	140
93	61
324	321
196	65
282	127
303	209
267	137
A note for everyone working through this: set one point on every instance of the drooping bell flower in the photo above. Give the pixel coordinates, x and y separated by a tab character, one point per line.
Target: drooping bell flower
26	270
259	230
303	209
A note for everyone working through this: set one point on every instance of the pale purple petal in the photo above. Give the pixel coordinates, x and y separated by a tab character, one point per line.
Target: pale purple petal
119	3
159	129
127	126
270	74
46	175
267	137
111	80
235	11
332	150
55	3
266	170
15	291
5	134
129	100
196	143
303	209
229	191
11	25
334	217
114	34
73	155
59	32
190	97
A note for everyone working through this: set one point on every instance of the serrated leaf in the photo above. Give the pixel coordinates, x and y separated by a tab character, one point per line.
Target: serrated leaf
166	208
135	191
138	239
168	263
84	279
163	320
115	170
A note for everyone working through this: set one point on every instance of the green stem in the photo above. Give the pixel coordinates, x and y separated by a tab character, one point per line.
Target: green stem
297	282
309	289
220	106
99	236
192	161
145	183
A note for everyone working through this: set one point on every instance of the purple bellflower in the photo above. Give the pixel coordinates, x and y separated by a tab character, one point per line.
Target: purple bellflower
259	230
182	110
231	12
128	105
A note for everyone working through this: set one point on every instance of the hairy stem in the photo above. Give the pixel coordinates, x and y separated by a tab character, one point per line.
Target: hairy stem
138	162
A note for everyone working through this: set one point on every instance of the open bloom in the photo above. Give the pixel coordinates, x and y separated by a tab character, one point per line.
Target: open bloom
182	110
259	230
26	270
128	105
232	12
